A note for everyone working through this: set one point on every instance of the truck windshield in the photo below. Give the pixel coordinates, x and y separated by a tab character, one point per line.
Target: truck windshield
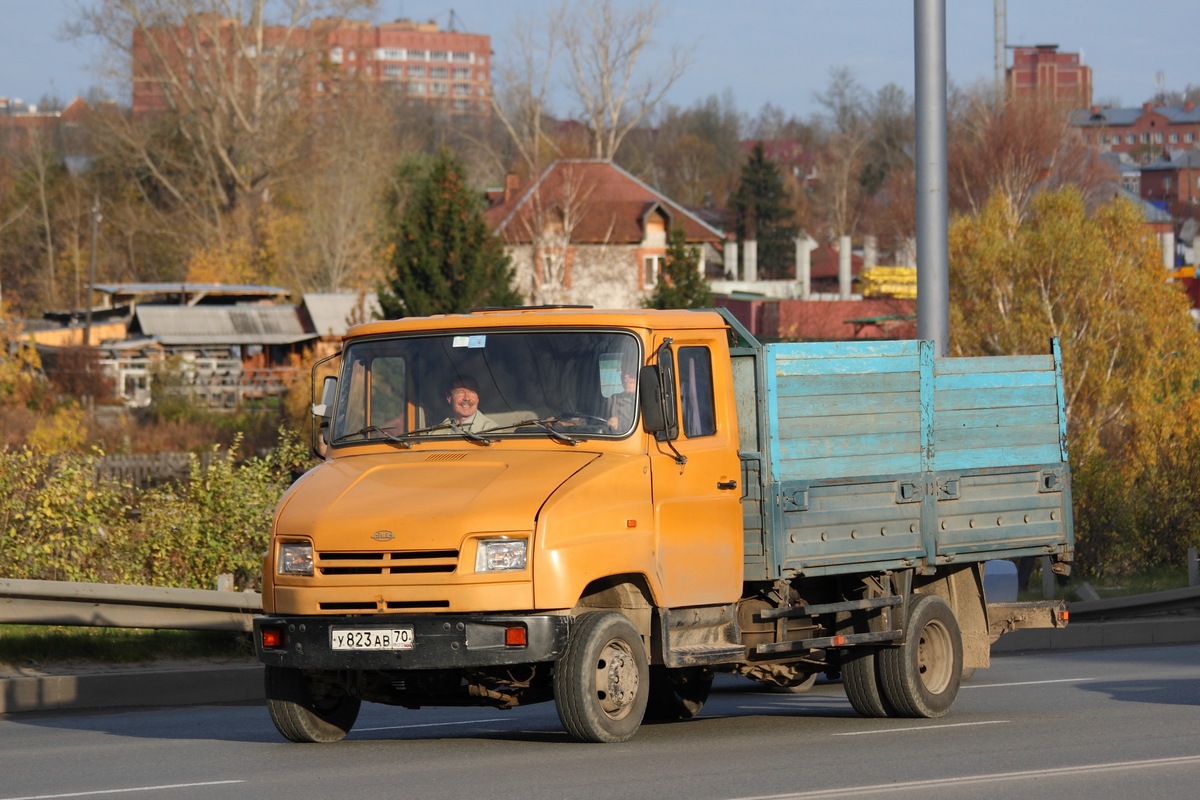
488	384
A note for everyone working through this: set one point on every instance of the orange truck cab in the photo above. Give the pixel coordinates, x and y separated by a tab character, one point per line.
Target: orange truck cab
603	508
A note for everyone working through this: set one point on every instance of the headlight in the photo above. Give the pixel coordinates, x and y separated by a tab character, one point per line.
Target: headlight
501	555
295	558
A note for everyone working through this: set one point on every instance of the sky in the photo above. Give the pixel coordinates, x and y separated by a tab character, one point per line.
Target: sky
759	51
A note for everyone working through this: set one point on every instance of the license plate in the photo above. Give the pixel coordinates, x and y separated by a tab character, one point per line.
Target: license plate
371	638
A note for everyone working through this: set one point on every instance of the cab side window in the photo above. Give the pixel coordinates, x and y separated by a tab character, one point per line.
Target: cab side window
696	392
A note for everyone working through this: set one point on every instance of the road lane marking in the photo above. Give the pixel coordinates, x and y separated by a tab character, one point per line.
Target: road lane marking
995	777
428	725
925	728
128	790
1024	683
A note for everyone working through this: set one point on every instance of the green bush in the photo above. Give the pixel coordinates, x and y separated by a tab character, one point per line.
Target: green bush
60	523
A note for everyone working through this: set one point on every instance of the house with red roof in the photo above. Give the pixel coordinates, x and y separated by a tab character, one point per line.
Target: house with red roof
588	232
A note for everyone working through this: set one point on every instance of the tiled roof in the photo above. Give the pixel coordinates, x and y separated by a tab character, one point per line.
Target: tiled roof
612	205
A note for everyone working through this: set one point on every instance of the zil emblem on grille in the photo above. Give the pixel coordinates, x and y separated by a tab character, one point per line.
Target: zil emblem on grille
383	536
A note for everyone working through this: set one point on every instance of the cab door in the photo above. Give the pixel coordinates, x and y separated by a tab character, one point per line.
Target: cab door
695	473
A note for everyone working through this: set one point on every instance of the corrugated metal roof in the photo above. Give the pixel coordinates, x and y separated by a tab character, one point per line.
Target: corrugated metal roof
226	289
332	313
220	325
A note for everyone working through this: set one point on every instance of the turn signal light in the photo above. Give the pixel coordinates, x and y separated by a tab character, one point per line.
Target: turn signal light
516	637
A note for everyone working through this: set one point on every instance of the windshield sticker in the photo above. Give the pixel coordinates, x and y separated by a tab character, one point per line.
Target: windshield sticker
470	342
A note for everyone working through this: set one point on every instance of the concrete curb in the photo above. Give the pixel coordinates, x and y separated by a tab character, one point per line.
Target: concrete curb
1115	633
240	683
134	687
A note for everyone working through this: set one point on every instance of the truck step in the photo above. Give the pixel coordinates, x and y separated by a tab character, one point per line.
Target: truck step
698	655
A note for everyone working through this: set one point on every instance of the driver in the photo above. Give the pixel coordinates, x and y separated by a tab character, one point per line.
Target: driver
463	400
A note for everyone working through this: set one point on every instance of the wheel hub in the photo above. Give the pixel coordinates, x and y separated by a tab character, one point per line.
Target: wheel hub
616	678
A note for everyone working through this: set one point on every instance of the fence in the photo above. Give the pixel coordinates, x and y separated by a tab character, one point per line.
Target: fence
212	382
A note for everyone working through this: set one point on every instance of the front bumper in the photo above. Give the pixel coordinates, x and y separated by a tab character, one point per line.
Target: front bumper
450	641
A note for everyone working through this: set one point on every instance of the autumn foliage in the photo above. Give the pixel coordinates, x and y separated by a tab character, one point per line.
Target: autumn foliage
1094	279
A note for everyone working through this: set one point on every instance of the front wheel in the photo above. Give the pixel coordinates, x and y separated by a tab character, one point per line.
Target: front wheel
306	708
601	682
921	677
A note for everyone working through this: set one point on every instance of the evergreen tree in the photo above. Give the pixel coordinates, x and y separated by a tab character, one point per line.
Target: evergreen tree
680	283
762	212
444	258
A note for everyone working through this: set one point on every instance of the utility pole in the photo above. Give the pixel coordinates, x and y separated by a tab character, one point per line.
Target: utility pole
87	324
933	249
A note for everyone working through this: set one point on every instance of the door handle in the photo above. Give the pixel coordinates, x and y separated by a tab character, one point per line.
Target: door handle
726	484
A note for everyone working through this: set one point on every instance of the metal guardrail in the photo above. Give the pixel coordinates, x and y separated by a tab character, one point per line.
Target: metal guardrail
112	606
1137	605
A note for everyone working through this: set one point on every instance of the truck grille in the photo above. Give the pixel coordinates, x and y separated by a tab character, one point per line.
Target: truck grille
401	562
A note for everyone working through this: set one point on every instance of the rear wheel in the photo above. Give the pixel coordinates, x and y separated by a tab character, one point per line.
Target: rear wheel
677	693
601	682
921	677
306	708
860	678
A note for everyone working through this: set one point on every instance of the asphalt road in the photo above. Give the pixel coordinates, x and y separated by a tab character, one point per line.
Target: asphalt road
1114	723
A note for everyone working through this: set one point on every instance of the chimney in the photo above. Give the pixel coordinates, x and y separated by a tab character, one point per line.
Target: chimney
511	183
1189	105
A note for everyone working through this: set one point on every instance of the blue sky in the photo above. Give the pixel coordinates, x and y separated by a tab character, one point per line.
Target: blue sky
777	51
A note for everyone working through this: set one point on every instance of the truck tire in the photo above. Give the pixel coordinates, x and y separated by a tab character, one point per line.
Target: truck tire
602	681
921	677
677	694
860	678
306	710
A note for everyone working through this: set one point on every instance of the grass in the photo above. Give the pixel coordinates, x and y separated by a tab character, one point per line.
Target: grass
25	644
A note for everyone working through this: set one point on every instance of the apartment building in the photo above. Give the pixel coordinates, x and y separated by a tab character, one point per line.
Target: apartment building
1042	70
446	68
419	59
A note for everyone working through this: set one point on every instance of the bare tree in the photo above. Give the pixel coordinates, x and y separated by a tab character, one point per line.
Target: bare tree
604	46
228	77
341	195
1017	148
843	155
555	212
524	85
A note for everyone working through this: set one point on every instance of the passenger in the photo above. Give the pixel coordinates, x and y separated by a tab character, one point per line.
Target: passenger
463	400
622	407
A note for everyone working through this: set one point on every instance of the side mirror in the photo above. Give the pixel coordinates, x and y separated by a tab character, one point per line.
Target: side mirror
650	400
321	412
657	390
324	409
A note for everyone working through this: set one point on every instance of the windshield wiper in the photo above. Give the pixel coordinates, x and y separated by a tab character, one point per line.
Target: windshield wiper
544	424
372	429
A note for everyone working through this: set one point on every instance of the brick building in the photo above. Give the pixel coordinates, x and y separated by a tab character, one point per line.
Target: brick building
1144	133
1042	70
1172	180
589	232
448	68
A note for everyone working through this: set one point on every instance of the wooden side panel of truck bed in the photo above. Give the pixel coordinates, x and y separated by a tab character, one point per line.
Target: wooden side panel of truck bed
879	456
